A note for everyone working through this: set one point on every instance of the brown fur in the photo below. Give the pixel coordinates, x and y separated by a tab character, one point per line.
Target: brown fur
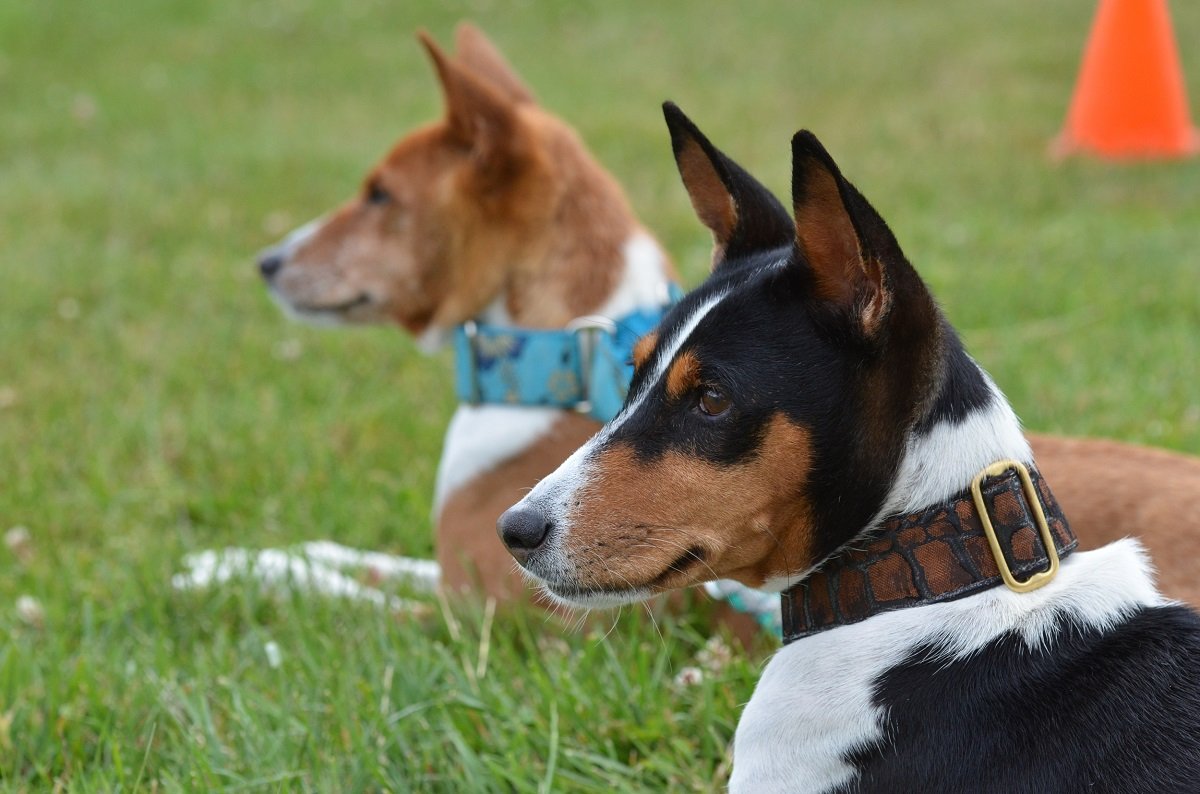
453	242
643	349
685	503
684	375
844	274
1109	490
498	199
712	202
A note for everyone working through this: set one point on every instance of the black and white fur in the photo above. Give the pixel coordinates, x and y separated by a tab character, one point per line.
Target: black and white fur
1089	684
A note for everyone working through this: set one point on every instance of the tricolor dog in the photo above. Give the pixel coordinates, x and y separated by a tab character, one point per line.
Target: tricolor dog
808	422
495	227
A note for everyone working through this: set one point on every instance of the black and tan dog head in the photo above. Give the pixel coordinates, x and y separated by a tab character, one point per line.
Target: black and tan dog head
769	412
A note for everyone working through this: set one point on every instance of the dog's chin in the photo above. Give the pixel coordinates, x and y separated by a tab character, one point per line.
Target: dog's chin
595	599
575	597
352	311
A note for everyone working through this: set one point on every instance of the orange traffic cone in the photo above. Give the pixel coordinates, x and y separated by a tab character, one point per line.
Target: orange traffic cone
1130	100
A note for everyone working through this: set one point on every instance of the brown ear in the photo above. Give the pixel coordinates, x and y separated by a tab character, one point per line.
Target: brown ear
743	216
477	53
836	230
476	114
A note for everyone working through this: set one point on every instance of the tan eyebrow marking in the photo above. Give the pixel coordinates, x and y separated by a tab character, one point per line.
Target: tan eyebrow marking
684	374
644	347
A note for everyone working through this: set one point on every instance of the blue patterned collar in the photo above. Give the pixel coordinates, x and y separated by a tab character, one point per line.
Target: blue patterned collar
584	367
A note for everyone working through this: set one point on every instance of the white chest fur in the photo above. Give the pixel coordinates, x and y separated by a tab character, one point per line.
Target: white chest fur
813	705
482	437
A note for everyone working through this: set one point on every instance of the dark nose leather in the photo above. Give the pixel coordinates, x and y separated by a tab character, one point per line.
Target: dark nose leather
269	264
523	530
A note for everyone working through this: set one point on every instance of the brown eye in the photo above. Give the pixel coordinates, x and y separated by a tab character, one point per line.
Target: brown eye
377	194
713	401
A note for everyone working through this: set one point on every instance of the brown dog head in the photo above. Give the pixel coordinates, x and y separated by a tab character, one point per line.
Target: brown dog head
459	213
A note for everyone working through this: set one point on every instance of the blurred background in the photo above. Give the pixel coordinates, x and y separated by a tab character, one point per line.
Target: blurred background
153	401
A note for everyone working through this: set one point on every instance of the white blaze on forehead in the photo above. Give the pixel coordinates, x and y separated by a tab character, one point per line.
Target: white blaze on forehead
668	350
553	494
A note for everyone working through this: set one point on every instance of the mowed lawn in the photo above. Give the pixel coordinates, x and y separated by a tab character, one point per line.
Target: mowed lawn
153	402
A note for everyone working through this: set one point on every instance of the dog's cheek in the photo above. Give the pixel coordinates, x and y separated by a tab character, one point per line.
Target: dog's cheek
639	515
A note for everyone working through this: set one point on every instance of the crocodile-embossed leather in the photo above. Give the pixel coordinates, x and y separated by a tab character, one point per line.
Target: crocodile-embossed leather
938	554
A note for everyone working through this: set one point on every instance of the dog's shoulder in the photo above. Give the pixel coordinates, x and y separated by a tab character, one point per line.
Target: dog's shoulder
1091	683
1085	709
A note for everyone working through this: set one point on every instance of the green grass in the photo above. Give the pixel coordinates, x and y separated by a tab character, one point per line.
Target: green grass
153	402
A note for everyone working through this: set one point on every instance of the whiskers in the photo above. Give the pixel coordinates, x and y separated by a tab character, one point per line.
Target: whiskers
650	542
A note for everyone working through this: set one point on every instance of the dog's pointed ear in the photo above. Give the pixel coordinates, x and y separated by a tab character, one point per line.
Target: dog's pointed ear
476	52
845	243
742	215
477	115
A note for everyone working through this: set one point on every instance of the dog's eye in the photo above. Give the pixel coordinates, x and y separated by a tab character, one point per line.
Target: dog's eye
713	401
377	194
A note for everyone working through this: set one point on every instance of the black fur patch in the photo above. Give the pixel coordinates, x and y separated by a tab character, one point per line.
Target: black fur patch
775	346
766	346
762	222
1114	711
963	390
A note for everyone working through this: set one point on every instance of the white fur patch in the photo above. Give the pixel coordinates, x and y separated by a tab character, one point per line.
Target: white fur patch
643	283
813	705
942	462
481	437
432	339
298	237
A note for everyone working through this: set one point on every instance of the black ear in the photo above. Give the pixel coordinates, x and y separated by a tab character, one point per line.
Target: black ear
848	247
744	216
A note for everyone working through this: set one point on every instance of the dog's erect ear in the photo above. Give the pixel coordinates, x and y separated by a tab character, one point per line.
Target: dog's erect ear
846	243
477	53
477	114
744	216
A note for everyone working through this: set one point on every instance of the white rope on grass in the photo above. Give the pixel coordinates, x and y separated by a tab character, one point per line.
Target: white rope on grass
313	567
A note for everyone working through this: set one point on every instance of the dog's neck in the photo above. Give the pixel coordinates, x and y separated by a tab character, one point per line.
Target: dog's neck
966	425
590	256
1007	529
480	437
638	276
942	456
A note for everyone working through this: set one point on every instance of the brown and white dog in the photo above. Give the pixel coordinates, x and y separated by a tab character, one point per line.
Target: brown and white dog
497	212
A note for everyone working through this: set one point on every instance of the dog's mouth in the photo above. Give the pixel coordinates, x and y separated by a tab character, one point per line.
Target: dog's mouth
693	556
595	597
332	308
333	313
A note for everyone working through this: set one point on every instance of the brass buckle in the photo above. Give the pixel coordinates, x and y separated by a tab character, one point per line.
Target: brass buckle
1039	578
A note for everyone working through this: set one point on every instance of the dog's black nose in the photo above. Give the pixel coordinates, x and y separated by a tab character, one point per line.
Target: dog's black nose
523	529
269	264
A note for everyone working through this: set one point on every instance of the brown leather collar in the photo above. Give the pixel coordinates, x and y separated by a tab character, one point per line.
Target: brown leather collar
937	554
